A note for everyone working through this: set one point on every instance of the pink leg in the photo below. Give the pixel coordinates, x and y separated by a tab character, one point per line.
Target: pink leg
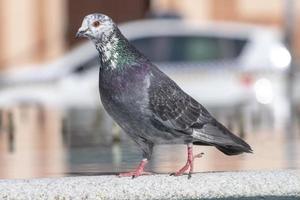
189	162
138	171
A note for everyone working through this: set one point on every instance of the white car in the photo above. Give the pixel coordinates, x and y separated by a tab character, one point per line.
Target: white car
219	64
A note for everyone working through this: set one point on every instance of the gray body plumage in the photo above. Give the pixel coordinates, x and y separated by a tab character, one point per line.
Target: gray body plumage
149	106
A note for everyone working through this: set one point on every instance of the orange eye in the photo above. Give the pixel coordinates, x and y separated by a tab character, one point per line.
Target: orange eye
96	24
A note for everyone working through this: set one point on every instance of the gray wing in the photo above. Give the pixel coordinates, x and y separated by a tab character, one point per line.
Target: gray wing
180	112
173	107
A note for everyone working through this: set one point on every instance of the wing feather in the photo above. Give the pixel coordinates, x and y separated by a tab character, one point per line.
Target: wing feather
172	106
178	111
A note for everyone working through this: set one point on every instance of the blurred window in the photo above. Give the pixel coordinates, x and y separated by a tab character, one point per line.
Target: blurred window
189	48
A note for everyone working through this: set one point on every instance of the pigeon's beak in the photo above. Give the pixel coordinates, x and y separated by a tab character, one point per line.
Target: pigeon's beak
81	32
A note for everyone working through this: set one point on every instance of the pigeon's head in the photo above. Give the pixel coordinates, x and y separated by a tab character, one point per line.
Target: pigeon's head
94	26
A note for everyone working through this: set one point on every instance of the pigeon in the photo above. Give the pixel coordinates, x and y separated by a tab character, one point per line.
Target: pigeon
147	104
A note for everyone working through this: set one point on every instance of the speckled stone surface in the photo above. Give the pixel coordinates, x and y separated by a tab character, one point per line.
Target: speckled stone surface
207	185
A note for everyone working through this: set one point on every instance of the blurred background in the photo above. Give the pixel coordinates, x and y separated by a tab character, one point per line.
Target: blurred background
239	58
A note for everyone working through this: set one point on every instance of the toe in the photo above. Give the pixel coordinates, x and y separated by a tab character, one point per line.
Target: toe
199	155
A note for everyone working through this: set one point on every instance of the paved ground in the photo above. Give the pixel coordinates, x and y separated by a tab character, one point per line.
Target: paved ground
208	185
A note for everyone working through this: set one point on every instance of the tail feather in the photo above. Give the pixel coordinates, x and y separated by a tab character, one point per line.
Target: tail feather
217	135
233	150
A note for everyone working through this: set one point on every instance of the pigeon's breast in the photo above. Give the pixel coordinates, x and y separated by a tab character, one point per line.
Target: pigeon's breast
124	96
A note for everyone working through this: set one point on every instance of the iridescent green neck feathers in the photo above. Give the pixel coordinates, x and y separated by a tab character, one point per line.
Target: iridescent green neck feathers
115	50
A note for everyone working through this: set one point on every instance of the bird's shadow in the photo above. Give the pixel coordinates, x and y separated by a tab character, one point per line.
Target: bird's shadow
78	173
91	173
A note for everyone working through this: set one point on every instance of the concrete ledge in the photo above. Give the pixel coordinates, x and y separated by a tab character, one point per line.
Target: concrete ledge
207	185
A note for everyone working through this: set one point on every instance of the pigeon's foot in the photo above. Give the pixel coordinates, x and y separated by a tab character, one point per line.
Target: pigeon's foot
189	162
139	171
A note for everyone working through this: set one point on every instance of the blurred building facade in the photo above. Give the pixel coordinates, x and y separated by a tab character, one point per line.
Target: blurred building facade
266	13
32	31
35	31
